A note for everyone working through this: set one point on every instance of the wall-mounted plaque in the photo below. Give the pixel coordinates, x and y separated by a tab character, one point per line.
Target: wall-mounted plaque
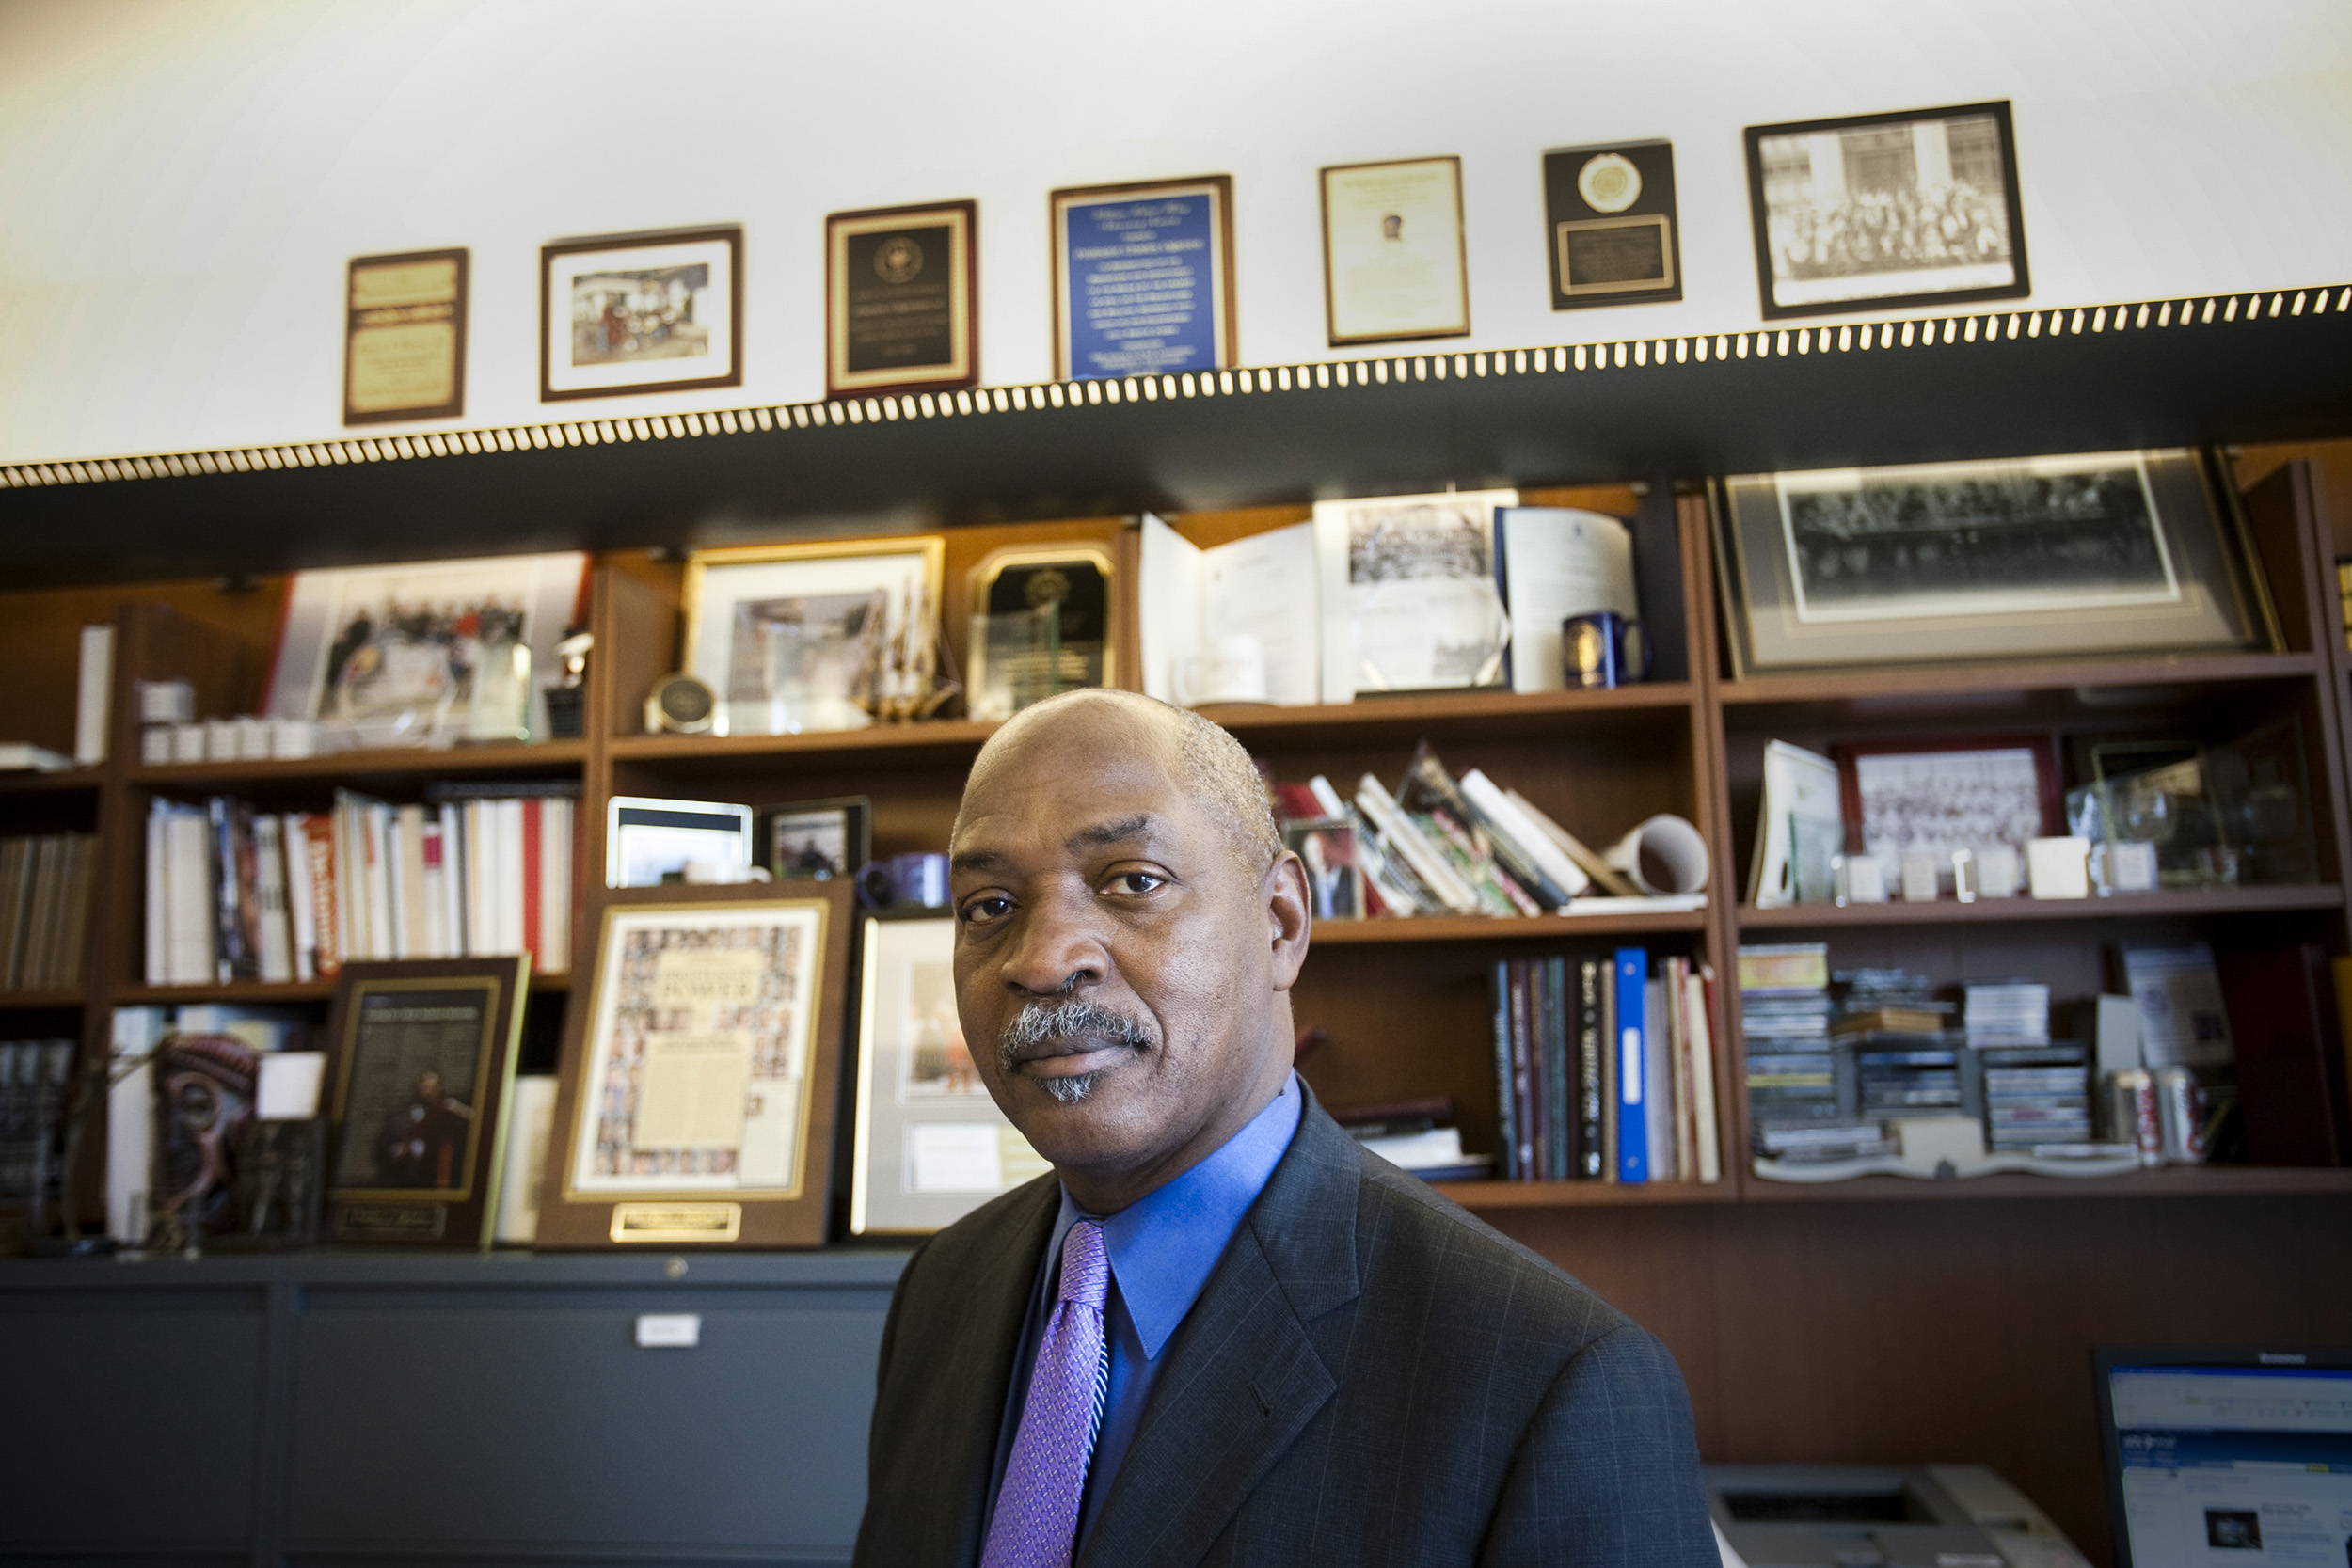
421	1058
1143	279
1394	266
1044	619
696	1100
1611	211
404	338
901	293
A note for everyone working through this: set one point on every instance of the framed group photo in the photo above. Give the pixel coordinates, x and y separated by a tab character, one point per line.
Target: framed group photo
1143	279
902	299
1886	210
696	1100
1934	797
1408	594
652	312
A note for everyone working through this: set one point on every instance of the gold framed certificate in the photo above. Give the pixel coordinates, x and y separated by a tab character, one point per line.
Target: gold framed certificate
696	1099
404	337
1394	263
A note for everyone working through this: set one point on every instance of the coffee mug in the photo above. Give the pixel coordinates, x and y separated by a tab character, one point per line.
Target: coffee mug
904	881
1603	649
1233	670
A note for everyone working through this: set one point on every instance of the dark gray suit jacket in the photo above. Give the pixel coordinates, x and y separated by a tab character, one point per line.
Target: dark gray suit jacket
1371	1377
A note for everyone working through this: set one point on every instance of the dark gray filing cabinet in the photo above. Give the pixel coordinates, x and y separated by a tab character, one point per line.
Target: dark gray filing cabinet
354	1409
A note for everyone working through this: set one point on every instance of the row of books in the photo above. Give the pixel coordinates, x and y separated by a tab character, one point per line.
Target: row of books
1604	1069
476	871
44	909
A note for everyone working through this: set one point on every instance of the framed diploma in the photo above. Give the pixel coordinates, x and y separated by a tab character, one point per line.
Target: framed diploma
421	1071
695	1106
1394	266
930	1145
652	312
1143	279
404	338
1611	211
901	293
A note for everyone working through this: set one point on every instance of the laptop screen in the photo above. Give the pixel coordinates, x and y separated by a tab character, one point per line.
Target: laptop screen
2229	1460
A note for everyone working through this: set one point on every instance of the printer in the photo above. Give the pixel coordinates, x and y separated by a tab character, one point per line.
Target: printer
1880	1516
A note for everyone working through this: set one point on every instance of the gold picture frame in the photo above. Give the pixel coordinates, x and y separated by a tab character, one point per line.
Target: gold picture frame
1370	209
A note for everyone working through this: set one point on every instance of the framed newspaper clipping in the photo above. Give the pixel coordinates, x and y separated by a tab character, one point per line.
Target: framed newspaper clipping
696	1101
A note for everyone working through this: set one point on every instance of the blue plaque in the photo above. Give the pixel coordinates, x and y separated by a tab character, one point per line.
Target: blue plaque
1142	279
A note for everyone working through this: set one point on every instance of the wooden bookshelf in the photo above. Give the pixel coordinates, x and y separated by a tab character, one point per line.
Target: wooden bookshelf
1997	911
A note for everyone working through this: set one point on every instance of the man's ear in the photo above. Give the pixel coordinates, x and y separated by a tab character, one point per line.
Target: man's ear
1283	888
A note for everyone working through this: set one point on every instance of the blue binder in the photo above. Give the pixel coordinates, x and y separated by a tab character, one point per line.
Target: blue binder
1632	976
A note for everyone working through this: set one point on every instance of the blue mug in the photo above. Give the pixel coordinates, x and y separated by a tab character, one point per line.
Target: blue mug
1603	649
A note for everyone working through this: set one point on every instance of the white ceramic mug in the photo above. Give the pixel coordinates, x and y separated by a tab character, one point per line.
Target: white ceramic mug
1664	855
1233	670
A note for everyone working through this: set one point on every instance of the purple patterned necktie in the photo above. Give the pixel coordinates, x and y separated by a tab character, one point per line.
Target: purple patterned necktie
1036	1512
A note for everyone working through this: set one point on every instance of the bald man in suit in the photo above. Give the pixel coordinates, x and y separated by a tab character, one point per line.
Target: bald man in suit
1220	1332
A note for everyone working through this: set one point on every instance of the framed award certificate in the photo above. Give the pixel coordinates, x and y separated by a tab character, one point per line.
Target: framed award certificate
1143	279
696	1104
404	338
901	293
1394	265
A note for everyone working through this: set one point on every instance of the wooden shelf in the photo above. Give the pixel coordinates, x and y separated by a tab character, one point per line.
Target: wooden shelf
945	736
1351	933
268	992
28	1001
1994	911
71	780
1566	1195
2047	690
400	762
1487	713
2165	1181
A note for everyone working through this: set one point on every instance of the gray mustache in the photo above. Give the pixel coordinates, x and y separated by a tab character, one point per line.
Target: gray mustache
1041	1021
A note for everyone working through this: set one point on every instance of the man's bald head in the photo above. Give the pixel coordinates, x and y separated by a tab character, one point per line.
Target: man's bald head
1203	759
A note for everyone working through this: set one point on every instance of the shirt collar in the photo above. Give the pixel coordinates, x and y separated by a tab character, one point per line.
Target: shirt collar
1163	1245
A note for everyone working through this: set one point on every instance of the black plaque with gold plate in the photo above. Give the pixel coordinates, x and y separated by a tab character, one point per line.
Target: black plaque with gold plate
695	1106
1610	215
901	295
421	1068
1044	619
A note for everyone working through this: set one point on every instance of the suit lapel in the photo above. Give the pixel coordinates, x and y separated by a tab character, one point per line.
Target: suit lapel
1244	1378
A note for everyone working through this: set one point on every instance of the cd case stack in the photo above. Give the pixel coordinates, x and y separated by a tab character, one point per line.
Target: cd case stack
1907	1056
2036	1091
1792	1069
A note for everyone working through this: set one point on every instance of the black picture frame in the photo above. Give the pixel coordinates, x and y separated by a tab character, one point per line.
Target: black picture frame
1783	299
854	815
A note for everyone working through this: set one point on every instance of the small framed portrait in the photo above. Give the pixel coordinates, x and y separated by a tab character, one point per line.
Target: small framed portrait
421	1072
1612	214
1045	619
651	313
797	638
1933	796
695	1106
2083	555
1335	878
1143	279
931	1145
1878	212
1396	265
404	337
901	299
815	839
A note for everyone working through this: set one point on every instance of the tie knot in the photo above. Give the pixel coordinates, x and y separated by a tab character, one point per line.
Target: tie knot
1085	1268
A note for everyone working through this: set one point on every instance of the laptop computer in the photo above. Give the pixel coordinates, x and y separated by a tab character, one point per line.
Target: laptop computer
2228	1458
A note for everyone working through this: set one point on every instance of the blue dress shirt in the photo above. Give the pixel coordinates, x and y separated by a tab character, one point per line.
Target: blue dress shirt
1163	1248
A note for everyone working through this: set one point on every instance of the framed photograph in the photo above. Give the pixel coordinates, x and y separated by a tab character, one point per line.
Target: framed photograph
932	1145
696	1100
1044	619
817	839
404	337
1335	876
796	637
902	288
649	842
2088	555
1395	265
421	1074
1611	211
1143	279
654	312
1409	595
1933	796
1879	212
424	652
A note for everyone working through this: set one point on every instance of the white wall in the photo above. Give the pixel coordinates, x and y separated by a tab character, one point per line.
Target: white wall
182	183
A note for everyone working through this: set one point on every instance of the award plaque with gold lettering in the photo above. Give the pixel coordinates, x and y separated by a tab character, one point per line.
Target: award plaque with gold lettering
421	1069
404	338
695	1106
901	293
1612	215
